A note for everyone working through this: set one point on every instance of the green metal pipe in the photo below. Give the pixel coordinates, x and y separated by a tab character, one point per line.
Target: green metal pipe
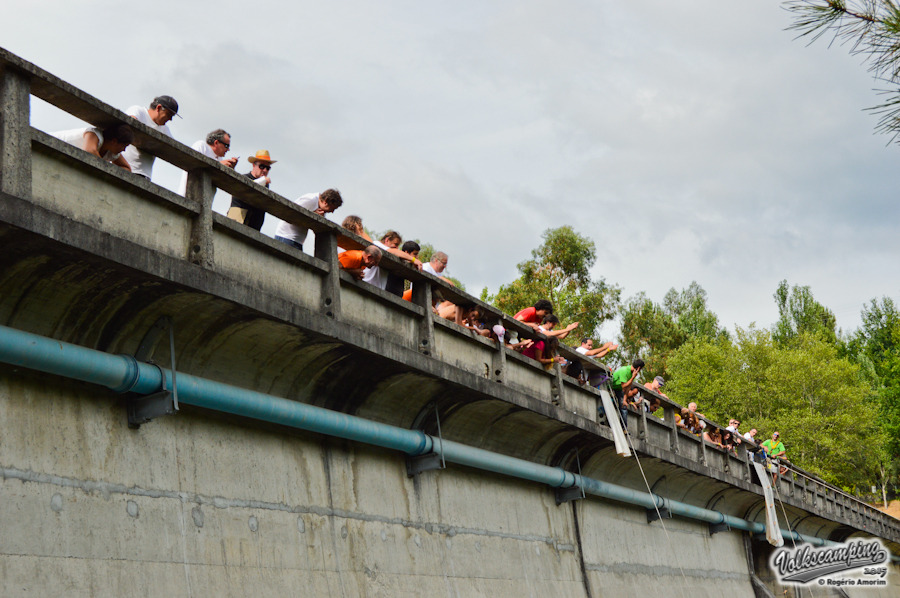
256	405
122	373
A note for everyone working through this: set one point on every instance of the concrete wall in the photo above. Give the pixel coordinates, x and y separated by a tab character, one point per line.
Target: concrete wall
192	505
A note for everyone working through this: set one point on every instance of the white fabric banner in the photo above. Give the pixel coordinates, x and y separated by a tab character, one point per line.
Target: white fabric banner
615	424
773	530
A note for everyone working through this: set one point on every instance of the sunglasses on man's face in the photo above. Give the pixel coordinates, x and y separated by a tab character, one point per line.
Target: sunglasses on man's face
263	166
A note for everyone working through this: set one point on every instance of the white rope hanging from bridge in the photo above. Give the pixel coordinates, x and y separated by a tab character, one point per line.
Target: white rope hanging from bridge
620	422
787	523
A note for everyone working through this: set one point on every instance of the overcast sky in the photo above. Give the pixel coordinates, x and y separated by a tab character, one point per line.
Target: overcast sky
692	140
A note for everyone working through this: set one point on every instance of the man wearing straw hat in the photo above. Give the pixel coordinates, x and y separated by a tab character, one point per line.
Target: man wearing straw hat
245	213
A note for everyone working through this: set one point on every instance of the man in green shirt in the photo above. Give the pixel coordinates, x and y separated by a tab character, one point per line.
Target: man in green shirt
774	447
623	386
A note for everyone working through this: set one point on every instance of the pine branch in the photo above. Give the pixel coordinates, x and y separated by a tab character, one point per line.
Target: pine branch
872	27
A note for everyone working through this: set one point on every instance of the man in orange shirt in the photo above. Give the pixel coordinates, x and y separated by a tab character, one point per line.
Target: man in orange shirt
356	261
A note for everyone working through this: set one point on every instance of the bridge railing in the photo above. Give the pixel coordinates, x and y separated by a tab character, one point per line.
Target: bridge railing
22	79
38	167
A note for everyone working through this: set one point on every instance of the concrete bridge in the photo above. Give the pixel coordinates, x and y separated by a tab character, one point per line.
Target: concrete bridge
327	438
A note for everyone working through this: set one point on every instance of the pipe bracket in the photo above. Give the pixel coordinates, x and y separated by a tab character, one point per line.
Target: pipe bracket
661	513
427	462
564	495
147	408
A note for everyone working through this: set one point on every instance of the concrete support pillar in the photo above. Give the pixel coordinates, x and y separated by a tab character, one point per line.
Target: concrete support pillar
557	389
642	433
744	458
201	190
669	415
498	364
15	134
326	250
422	297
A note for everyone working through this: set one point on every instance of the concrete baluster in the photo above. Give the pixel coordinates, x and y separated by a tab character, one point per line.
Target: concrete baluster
201	190
498	364
743	456
422	297
669	415
643	432
556	385
326	250
15	134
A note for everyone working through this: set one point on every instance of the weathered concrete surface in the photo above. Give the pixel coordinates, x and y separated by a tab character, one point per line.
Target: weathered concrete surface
194	506
259	295
66	450
200	504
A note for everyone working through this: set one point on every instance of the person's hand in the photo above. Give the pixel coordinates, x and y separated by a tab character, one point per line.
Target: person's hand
572	326
417	264
229	162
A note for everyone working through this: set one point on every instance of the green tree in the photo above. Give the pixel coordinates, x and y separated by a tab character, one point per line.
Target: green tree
876	338
799	313
871	29
652	331
876	347
817	399
559	270
692	315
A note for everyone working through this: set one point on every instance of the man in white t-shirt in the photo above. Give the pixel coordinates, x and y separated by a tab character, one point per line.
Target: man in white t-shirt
389	244
436	265
587	348
107	144
215	146
733	425
162	110
321	203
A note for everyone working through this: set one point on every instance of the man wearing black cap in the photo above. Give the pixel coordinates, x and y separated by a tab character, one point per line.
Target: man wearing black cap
162	110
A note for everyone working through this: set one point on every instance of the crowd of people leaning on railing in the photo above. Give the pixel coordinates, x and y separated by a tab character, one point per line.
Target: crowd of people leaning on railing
115	145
